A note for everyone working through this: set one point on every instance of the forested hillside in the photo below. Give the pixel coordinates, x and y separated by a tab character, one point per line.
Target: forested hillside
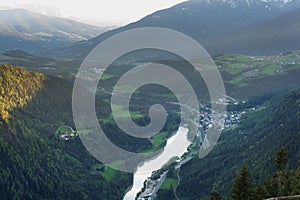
283	183
254	141
34	163
18	87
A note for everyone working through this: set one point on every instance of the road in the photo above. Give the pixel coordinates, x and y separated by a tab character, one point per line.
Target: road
178	182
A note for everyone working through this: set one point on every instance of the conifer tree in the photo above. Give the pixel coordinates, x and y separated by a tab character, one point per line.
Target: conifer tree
242	188
280	161
296	188
260	192
214	195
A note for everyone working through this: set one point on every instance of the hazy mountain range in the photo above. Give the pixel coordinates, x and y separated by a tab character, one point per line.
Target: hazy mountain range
23	29
227	26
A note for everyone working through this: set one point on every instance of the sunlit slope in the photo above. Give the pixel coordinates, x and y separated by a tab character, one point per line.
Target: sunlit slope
35	163
18	87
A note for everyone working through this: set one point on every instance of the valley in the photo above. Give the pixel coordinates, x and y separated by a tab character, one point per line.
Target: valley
233	65
255	47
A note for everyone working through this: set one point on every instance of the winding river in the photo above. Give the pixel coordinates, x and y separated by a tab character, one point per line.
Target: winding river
176	146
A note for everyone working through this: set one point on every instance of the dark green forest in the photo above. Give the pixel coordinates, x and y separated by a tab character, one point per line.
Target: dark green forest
36	165
253	44
282	183
254	141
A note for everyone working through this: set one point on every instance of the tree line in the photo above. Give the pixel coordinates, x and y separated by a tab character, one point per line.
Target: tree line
282	183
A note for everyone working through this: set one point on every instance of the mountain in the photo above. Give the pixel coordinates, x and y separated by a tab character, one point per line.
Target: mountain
204	20
40	64
280	34
23	29
34	163
254	141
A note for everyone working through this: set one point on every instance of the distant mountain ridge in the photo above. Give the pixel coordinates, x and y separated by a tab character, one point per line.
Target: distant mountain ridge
279	34
204	20
23	29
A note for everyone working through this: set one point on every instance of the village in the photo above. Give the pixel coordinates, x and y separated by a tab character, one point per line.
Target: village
66	133
232	118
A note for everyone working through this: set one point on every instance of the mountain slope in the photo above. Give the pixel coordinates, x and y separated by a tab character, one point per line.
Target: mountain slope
18	87
255	141
280	34
23	29
34	163
203	20
259	77
40	64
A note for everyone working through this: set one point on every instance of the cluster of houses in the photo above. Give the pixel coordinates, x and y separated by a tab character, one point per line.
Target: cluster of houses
66	133
151	187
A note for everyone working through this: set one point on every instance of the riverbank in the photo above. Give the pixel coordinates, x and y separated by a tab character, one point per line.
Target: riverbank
151	187
176	146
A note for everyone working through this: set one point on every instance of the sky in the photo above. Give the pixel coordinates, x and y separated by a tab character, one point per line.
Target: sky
98	12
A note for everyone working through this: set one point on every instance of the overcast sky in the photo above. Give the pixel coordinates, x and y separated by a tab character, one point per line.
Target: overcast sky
107	12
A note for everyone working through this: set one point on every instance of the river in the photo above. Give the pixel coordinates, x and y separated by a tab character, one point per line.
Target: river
176	146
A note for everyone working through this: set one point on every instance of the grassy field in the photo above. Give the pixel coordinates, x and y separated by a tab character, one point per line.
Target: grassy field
243	69
97	167
63	129
119	112
237	81
106	76
117	163
85	131
109	174
169	183
159	139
